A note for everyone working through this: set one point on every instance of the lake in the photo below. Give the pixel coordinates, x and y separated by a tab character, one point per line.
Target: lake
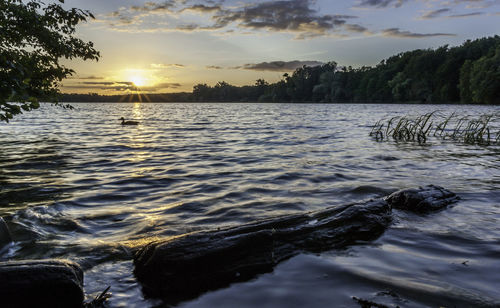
76	184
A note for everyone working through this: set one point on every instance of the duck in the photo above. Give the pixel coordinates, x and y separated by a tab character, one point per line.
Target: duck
128	122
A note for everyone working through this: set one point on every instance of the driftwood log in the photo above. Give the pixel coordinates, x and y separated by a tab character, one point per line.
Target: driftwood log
183	267
41	283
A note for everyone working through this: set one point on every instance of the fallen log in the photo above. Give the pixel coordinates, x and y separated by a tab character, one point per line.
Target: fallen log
41	283
422	200
184	267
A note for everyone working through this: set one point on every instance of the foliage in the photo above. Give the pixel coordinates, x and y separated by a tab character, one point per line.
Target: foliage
485	79
469	73
34	37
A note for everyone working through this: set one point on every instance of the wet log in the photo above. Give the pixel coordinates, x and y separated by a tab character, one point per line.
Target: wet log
183	267
422	200
41	283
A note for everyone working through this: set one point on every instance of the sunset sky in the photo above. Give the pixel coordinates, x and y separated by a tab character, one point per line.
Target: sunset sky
169	46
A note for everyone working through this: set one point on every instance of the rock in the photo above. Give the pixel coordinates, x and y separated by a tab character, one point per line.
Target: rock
422	200
5	237
183	267
41	283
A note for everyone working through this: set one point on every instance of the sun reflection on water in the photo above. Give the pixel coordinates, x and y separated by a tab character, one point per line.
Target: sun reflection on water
137	110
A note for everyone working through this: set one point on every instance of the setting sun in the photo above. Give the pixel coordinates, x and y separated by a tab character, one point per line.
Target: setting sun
138	81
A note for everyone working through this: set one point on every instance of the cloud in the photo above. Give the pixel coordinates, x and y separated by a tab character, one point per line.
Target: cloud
135	15
118	20
380	3
292	16
466	15
357	28
149	6
165	66
478	4
396	32
278	66
201	8
438	13
188	27
214	67
99	87
301	18
107	83
91	77
121	86
435	13
157	87
282	16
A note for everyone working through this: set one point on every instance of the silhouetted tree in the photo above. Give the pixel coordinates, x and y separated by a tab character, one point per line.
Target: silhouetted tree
34	37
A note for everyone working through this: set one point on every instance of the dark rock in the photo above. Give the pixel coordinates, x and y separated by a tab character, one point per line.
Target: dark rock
5	237
183	267
41	283
422	200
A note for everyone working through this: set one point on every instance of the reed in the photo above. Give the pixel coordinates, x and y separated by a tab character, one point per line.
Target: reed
419	128
100	300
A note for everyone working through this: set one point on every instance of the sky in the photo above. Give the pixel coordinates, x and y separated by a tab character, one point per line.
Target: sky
170	46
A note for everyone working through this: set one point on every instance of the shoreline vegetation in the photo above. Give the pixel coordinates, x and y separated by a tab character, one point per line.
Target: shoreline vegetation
467	74
482	130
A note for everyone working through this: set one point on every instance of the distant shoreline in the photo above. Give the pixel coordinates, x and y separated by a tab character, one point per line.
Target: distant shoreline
284	102
462	74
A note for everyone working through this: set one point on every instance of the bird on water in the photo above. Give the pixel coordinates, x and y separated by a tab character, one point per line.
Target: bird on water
128	122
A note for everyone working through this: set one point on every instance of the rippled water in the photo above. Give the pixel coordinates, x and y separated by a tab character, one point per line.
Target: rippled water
78	185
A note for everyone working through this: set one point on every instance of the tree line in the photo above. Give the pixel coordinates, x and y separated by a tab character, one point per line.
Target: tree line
469	73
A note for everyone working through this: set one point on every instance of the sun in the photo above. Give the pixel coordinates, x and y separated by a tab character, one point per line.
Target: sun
138	81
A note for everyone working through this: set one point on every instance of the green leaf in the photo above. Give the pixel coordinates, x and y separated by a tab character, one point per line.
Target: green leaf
39	35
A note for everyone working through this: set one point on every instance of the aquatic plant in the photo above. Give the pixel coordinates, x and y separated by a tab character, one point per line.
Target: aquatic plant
100	300
465	129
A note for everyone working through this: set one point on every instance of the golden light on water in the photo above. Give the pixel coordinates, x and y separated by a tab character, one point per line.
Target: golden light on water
137	110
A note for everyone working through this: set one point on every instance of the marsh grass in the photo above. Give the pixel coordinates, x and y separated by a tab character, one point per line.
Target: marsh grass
100	300
483	130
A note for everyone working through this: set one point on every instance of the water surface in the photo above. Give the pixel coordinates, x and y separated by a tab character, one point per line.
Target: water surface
78	185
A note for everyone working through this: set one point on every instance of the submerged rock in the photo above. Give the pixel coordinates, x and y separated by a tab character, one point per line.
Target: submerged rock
183	267
41	283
